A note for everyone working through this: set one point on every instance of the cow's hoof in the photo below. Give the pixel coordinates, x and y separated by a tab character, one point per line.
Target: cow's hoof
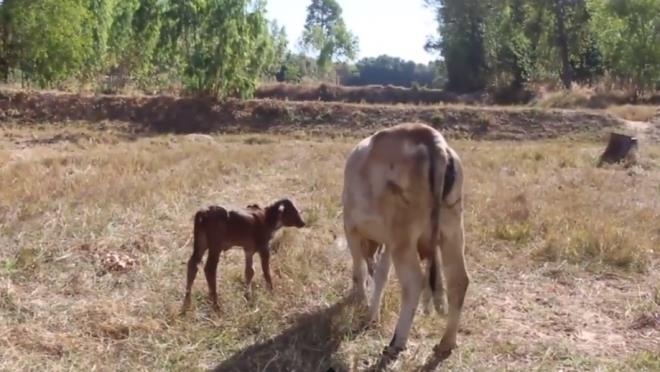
445	347
372	323
440	306
427	307
393	351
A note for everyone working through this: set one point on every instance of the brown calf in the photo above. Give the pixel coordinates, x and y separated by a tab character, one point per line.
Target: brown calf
217	229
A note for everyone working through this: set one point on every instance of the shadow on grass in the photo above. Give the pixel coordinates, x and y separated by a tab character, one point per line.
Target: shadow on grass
434	360
309	345
432	363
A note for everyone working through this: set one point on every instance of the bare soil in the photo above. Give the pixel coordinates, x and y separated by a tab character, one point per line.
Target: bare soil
389	94
166	114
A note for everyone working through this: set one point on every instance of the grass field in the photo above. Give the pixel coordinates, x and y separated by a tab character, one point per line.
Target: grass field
95	230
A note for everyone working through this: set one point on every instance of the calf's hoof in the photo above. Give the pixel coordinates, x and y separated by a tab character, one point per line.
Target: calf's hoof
215	307
187	303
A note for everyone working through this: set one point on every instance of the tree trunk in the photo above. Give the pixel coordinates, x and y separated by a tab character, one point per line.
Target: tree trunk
562	43
620	147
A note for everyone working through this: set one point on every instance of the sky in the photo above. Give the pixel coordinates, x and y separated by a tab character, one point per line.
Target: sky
395	27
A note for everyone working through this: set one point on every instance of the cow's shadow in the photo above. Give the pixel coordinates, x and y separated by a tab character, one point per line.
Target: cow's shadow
308	345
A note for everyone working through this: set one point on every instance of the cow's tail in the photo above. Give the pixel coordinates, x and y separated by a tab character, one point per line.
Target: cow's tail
438	175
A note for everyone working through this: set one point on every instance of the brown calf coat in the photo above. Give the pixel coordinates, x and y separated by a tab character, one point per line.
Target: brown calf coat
217	229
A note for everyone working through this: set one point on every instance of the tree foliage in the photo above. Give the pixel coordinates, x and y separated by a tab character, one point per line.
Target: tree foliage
508	43
385	70
213	47
46	52
326	34
628	35
462	27
224	48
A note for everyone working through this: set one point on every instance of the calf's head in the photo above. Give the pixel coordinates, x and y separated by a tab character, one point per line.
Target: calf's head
286	214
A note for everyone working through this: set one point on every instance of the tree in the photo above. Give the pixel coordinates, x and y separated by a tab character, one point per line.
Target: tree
292	69
102	16
562	40
146	27
233	50
628	33
50	51
7	50
509	48
280	50
326	34
385	70
559	7
461	26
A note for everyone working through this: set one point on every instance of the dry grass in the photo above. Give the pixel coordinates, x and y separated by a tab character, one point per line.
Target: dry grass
576	97
597	97
563	258
635	112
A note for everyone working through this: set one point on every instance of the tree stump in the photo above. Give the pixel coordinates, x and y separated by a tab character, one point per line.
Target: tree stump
620	147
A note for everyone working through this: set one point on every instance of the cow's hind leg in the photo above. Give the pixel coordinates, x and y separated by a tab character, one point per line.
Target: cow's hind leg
435	284
381	273
433	293
409	273
357	245
427	292
456	275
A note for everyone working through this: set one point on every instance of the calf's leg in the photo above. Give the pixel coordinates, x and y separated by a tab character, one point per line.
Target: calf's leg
199	248
249	271
210	269
264	257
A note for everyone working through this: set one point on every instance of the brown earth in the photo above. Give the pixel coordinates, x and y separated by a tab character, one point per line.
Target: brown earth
162	114
361	94
388	94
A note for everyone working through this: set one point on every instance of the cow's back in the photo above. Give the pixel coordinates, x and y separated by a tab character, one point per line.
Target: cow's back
386	181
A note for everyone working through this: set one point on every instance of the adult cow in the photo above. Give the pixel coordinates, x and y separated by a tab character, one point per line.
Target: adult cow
403	189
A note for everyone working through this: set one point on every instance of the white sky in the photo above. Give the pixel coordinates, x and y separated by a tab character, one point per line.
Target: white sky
395	27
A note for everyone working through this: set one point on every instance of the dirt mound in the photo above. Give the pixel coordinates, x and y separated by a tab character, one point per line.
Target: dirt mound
359	94
188	115
578	97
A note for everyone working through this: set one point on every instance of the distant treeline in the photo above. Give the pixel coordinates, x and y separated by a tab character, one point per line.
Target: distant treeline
381	70
225	48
